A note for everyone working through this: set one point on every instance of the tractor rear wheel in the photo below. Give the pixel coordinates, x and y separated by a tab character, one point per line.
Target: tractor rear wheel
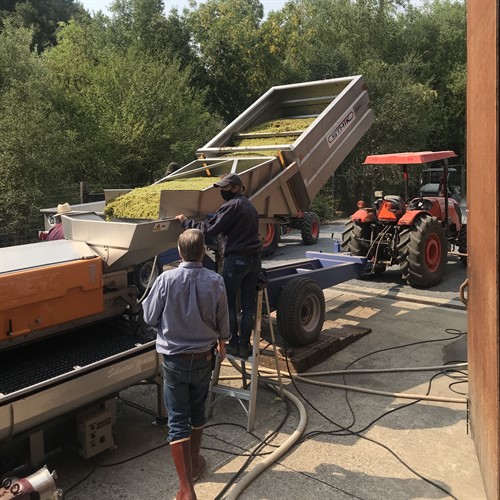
301	311
423	252
309	228
462	243
356	238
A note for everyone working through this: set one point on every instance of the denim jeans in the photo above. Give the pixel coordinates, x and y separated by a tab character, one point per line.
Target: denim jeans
241	274
185	384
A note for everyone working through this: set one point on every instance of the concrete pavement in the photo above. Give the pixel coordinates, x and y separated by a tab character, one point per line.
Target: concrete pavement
416	451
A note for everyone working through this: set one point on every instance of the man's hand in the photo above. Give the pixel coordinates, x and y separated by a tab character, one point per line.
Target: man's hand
221	349
181	218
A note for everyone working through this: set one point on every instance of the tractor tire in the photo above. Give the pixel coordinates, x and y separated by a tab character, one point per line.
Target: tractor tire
271	239
462	243
141	273
355	238
309	228
301	311
422	252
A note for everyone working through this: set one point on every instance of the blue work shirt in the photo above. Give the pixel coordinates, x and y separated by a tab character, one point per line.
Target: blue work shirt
189	307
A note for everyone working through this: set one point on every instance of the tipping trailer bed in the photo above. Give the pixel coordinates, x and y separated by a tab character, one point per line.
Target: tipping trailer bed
283	184
285	181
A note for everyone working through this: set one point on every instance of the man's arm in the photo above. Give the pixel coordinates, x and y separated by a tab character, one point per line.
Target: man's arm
219	223
153	305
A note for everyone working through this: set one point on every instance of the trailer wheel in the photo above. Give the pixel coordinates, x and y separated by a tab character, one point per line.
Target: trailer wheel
309	228
271	239
141	273
301	311
356	238
423	252
462	243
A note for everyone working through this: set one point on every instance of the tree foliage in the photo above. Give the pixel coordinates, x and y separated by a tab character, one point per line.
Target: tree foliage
32	132
231	49
144	108
41	16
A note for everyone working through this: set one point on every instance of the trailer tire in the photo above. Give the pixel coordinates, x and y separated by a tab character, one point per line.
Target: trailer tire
270	239
355	238
309	228
422	252
462	243
140	275
301	311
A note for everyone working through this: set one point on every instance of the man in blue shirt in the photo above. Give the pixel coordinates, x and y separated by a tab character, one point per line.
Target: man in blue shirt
238	221
189	307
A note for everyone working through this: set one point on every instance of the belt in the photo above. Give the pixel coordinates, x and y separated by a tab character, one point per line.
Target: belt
194	355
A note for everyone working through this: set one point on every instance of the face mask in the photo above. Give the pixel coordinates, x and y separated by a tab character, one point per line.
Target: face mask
227	195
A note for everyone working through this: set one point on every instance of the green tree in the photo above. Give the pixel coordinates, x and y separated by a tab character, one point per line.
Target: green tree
232	51
436	32
144	110
142	24
42	16
331	38
34	136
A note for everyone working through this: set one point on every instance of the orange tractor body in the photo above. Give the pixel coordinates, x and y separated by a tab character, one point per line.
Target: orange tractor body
415	233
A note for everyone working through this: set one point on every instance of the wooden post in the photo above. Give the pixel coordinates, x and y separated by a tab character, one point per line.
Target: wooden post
84	192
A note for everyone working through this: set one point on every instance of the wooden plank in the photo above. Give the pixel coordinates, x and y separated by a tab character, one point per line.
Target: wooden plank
333	338
483	177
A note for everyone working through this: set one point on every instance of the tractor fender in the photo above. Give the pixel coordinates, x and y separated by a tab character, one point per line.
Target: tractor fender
409	217
362	215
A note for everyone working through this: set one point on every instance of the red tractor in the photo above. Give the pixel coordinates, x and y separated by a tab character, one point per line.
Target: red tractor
415	233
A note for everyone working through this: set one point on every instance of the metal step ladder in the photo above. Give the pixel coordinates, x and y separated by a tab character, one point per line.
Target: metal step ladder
247	395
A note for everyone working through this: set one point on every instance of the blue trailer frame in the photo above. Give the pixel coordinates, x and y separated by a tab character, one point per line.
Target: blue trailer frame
295	292
326	269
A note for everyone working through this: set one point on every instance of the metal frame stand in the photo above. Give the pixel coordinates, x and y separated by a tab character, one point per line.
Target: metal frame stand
248	393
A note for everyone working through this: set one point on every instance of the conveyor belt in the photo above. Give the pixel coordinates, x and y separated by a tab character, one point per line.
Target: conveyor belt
28	365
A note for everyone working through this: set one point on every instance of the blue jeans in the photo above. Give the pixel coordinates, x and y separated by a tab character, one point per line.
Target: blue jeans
185	384
241	274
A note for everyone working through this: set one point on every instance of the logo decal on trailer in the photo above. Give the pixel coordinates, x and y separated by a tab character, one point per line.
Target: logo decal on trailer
340	127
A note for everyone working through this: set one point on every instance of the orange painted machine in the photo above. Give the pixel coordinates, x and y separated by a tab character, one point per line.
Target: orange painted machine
39	299
70	335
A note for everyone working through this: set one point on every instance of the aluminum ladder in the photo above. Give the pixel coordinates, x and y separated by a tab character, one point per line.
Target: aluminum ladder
247	395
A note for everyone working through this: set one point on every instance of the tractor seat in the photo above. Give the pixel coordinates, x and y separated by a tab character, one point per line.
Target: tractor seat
420	204
397	201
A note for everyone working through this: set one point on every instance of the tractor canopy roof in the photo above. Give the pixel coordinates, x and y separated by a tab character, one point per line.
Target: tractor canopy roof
408	158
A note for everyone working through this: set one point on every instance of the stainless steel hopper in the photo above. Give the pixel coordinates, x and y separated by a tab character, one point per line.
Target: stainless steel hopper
124	243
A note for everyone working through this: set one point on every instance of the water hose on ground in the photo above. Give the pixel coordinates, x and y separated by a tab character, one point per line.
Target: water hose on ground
404	395
270	459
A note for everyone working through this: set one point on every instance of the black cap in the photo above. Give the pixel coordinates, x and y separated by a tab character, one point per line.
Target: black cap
172	167
229	179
